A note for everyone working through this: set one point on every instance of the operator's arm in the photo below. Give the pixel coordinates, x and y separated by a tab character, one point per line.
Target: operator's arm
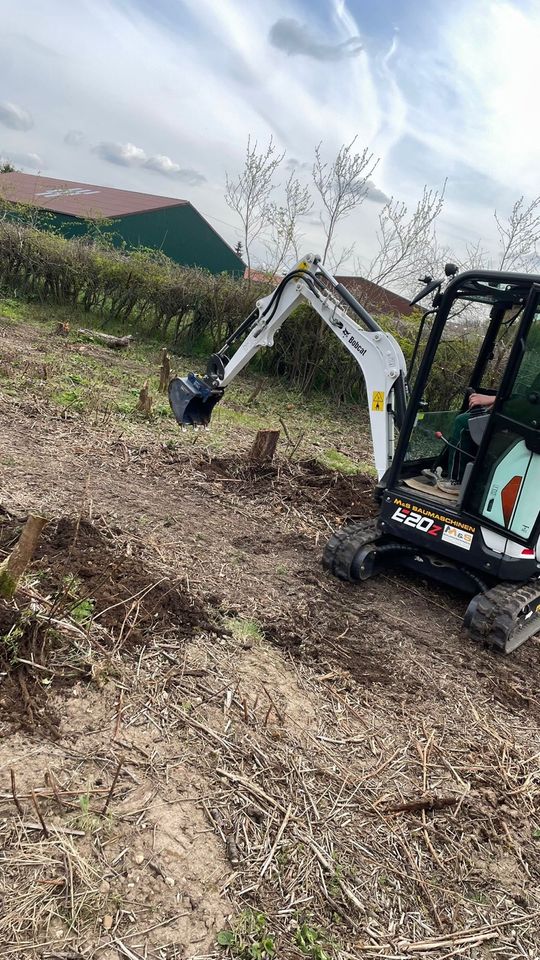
481	400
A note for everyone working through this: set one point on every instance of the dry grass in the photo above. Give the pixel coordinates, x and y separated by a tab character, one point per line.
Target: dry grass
50	890
396	837
344	764
388	834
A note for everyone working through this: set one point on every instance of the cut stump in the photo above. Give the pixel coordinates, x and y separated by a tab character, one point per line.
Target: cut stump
145	401
13	567
165	371
264	446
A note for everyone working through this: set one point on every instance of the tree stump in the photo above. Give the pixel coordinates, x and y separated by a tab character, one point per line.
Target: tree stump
253	396
165	371
62	329
145	401
13	567
264	446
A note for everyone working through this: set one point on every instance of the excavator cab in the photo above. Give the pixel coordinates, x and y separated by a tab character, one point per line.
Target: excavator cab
482	536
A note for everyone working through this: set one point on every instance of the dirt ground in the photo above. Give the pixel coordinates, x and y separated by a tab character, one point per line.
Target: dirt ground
226	752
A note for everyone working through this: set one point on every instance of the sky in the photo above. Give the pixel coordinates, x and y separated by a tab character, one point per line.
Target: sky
161	96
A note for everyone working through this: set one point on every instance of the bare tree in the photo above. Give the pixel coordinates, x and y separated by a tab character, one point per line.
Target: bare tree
407	241
249	194
284	223
342	186
519	236
336	259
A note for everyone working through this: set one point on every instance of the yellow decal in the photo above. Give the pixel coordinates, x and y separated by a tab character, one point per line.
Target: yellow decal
377	402
303	265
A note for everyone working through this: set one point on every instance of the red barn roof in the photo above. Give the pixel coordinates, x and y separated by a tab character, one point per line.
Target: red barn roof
75	199
376	299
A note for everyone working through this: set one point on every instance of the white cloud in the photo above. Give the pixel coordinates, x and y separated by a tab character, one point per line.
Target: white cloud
476	107
298	39
191	90
128	155
169	168
374	193
74	138
15	117
123	154
21	159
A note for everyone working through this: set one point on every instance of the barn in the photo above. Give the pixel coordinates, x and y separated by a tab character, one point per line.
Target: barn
133	219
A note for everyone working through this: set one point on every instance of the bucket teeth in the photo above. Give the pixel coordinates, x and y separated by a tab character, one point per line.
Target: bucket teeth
192	400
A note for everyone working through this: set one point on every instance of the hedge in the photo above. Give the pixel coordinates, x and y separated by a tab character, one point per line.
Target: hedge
191	310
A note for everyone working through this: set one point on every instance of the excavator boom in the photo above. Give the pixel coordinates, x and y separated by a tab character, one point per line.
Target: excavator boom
376	352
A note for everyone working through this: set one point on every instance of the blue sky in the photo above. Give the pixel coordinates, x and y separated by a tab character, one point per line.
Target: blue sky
160	96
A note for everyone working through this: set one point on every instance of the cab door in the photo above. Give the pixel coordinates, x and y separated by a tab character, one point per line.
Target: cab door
503	491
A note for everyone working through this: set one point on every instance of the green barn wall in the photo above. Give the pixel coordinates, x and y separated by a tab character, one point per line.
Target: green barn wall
179	232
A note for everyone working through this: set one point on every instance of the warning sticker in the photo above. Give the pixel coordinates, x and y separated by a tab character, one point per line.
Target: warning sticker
377	401
460	538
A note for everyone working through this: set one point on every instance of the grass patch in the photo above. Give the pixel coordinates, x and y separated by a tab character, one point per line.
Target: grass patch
334	460
88	379
69	398
244	629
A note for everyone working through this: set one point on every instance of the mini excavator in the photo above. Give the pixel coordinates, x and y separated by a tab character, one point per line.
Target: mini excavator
482	538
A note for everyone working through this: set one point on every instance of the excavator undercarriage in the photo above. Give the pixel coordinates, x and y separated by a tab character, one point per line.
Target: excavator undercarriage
500	617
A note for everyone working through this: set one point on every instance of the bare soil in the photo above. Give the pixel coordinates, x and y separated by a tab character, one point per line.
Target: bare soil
263	720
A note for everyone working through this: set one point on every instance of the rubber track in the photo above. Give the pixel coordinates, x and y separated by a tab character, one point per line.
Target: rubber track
497	614
344	544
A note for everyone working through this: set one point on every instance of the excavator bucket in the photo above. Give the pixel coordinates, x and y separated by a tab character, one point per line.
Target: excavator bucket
192	400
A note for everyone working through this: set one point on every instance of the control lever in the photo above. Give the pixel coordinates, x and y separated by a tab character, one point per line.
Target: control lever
440	436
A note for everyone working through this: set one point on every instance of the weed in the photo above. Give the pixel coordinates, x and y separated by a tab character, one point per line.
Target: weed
83	611
12	309
311	942
80	610
249	938
11	642
87	820
244	629
479	897
83	382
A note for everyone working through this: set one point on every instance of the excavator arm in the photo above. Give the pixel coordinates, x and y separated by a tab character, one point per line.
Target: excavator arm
377	353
